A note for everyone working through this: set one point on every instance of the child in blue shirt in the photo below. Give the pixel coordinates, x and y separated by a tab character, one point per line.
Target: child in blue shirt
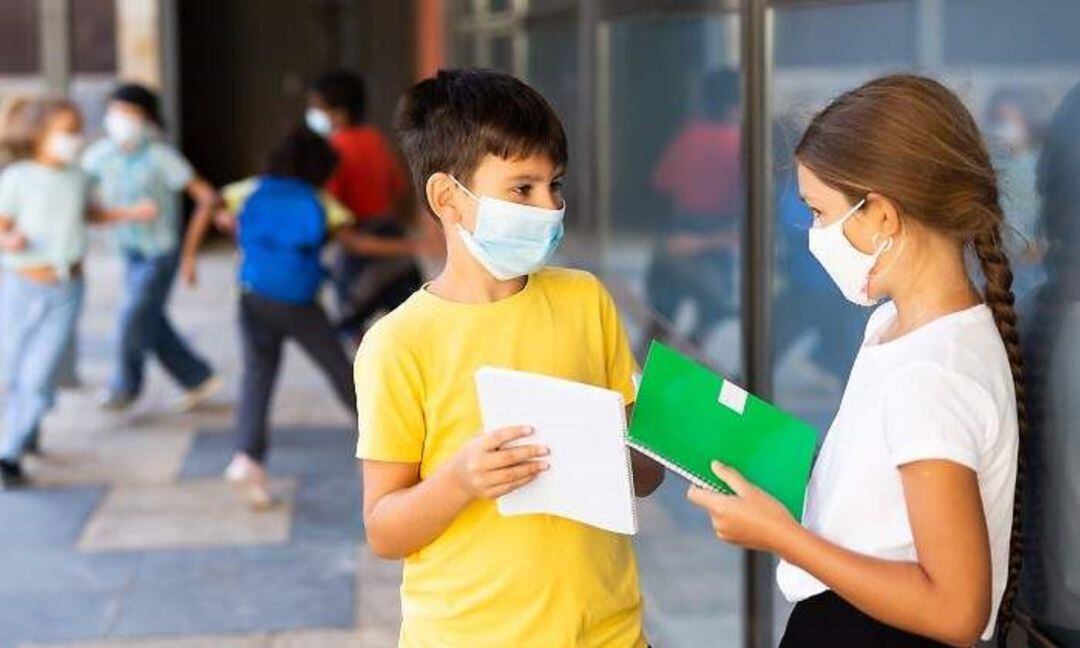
44	209
282	220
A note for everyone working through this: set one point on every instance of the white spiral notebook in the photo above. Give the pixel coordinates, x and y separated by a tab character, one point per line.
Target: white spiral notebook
589	479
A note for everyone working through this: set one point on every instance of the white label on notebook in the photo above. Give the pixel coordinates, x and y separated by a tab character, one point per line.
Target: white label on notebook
733	397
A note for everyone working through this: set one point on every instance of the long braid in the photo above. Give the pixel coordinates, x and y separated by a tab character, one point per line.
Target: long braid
999	298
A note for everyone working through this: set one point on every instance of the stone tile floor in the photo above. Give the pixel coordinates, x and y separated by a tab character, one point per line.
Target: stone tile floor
132	540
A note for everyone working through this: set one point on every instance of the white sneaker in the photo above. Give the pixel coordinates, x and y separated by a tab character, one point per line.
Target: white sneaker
197	395
250	478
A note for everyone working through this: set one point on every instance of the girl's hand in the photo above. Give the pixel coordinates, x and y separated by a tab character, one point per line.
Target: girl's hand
750	518
13	241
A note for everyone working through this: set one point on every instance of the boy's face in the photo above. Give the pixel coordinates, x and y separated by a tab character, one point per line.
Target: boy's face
338	117
534	181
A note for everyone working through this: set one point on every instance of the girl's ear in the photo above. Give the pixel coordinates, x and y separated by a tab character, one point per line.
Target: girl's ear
442	197
883	214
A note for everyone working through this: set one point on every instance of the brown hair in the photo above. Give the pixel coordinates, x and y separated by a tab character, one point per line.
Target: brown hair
14	135
911	139
449	122
26	119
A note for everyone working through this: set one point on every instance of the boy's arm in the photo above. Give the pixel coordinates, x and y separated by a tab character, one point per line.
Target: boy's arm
648	474
363	244
206	200
403	513
140	212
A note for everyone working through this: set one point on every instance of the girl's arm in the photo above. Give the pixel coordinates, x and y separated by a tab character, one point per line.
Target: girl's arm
206	200
11	239
945	595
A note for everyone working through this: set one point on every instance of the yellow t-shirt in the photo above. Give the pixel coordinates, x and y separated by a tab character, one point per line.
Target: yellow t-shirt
488	580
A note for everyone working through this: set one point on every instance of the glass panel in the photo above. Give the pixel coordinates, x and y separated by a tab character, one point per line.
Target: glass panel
820	51
19	40
672	186
501	55
1011	63
93	36
552	69
93	43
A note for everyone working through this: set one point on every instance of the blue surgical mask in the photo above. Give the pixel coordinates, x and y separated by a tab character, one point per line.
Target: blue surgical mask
318	121
509	239
124	129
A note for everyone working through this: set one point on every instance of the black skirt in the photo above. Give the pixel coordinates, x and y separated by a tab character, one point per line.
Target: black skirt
828	620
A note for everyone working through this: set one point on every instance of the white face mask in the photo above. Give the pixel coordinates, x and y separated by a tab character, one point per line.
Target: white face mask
509	239
849	268
64	147
318	121
124	129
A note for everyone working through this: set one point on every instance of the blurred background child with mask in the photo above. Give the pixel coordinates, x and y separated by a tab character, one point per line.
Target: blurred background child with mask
44	208
133	164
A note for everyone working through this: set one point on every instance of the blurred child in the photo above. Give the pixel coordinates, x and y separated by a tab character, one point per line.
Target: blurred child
44	208
282	220
132	164
488	154
382	271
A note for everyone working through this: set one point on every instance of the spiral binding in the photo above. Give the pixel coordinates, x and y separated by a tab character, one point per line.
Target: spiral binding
629	466
685	473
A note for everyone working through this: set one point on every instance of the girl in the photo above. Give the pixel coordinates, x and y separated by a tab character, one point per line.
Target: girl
283	221
44	207
910	529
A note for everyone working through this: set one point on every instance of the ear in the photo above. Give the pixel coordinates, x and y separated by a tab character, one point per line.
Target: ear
883	214
442	197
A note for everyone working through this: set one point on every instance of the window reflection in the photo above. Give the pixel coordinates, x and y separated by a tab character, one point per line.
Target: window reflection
670	207
1052	569
694	258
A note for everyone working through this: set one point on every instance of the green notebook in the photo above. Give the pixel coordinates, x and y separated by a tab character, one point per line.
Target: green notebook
686	416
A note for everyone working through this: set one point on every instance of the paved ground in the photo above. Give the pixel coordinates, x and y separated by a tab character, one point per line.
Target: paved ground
133	540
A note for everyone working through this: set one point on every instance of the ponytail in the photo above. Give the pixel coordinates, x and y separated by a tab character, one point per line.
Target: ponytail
998	296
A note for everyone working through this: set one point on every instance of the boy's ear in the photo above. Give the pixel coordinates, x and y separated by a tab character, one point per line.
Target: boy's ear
441	195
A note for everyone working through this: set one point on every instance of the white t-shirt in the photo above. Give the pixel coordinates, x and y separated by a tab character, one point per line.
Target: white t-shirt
943	391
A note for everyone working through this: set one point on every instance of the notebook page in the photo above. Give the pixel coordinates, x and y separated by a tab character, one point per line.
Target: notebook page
589	479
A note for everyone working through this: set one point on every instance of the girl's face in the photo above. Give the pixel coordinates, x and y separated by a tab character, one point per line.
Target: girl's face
61	140
827	205
872	227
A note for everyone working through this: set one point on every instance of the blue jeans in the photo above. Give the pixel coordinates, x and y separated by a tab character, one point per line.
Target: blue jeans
145	328
38	327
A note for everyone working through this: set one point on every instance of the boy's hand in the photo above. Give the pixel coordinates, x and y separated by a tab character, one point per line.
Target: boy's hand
141	212
225	221
187	270
486	468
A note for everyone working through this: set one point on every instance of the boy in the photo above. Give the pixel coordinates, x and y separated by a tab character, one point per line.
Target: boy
369	181
131	165
487	154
